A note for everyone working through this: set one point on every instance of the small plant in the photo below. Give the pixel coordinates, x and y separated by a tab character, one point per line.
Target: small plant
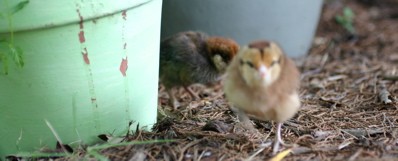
8	50
346	20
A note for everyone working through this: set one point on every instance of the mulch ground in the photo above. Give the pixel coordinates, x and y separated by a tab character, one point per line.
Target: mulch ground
347	82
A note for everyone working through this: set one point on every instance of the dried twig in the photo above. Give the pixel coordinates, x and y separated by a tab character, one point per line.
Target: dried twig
56	136
390	77
344	144
255	154
355	155
355	132
186	147
336	77
384	94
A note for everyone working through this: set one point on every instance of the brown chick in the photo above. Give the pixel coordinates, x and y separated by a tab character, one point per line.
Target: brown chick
261	82
193	57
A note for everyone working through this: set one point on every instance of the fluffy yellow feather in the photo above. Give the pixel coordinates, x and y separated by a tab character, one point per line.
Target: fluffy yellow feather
262	83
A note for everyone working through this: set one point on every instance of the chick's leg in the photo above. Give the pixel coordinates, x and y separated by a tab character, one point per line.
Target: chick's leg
279	129
194	95
278	139
244	120
243	117
172	100
286	111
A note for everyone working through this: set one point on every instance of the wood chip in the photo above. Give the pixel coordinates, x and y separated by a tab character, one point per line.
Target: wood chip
384	94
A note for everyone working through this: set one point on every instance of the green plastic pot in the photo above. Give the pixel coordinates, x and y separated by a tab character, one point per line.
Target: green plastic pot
91	67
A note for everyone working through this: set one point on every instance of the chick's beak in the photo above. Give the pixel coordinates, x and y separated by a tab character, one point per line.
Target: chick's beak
263	71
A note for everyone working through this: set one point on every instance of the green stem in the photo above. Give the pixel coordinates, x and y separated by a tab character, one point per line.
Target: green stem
10	26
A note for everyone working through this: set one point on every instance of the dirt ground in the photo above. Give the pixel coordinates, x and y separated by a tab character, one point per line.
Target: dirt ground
346	81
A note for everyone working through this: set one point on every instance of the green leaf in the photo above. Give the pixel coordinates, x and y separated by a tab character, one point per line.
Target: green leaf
16	52
346	19
1	15
339	19
348	13
19	6
4	61
18	58
39	154
350	28
108	145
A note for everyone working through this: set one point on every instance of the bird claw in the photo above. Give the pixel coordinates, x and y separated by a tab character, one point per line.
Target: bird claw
193	95
275	149
286	144
279	141
278	144
245	127
174	103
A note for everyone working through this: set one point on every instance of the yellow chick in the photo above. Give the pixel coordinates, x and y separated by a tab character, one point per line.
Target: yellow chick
262	83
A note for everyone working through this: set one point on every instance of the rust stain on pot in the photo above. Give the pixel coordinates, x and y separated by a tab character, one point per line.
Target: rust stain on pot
124	15
81	18
82	39
85	56
90	79
123	66
94	101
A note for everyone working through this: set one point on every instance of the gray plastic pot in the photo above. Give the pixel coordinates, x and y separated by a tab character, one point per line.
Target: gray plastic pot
292	23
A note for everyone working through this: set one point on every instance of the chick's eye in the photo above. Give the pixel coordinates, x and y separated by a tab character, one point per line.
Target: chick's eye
250	64
223	56
274	62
